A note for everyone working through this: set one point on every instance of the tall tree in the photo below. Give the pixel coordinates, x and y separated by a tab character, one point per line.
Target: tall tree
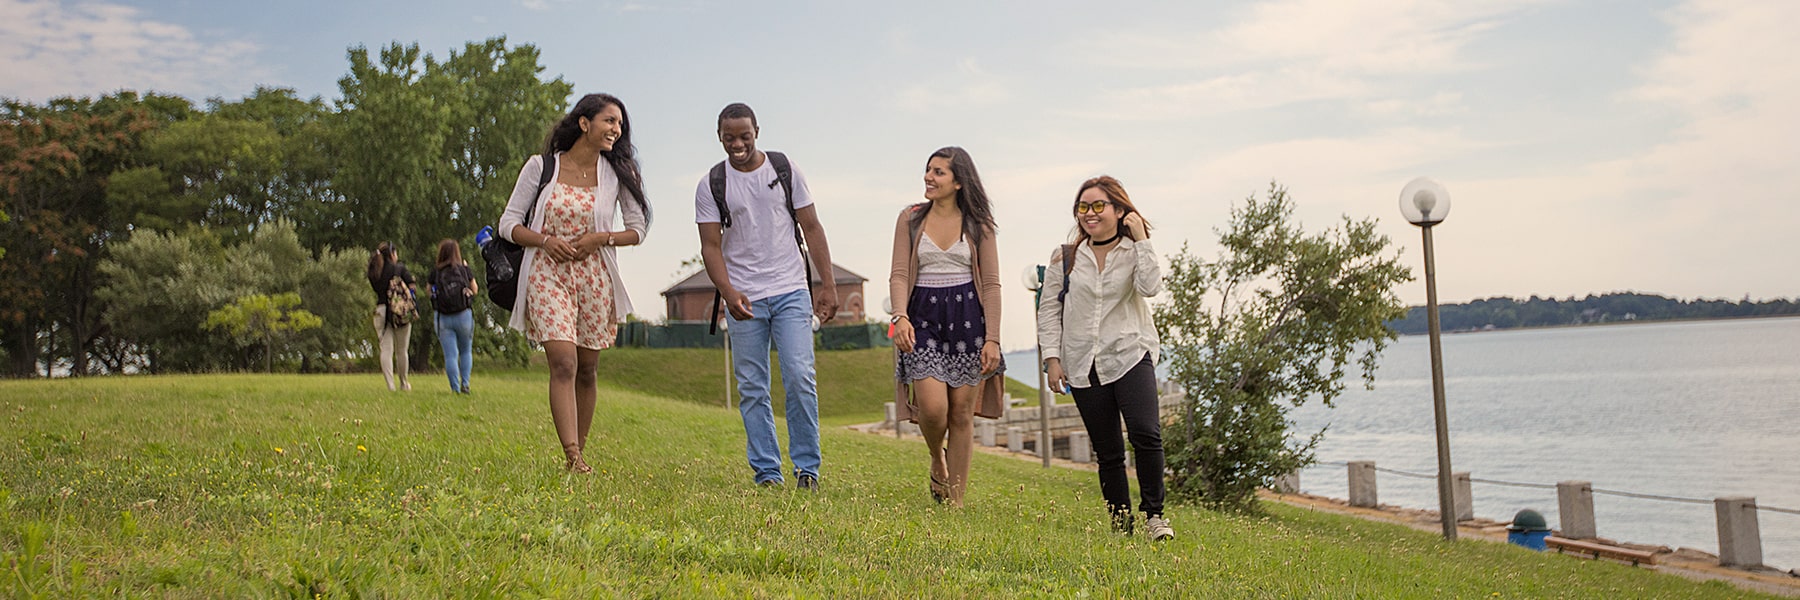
1268	326
55	164
428	150
240	164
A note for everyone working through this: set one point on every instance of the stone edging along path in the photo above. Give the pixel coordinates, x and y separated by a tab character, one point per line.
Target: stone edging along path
1686	562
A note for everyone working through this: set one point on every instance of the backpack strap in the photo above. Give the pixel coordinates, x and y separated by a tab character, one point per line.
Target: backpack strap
784	175
1068	264
716	180
547	172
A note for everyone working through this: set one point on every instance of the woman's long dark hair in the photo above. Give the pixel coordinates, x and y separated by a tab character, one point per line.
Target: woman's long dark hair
449	253
380	259
972	199
622	156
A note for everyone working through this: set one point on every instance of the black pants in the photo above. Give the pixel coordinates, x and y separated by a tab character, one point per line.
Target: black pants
1134	398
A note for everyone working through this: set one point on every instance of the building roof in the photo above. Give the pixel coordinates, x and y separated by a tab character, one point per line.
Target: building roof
700	282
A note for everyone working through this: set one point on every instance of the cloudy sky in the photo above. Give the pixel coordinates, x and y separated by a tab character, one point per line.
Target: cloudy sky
1588	146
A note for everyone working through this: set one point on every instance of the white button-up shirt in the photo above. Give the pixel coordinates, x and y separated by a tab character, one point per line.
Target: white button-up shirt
1104	325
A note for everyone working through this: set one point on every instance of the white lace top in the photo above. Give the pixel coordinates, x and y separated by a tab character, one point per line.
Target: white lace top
939	267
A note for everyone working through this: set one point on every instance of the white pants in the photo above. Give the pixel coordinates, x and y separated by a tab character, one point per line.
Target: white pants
392	342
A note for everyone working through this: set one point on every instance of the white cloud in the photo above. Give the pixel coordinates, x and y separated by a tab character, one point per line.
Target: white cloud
1227	94
1370	37
54	48
1280	53
968	86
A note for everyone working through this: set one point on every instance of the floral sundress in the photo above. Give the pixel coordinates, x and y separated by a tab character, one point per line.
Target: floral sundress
570	301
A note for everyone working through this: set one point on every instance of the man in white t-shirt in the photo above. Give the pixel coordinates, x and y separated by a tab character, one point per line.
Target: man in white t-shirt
754	259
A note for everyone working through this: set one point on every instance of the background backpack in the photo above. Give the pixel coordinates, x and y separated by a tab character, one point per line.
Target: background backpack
450	290
401	306
784	176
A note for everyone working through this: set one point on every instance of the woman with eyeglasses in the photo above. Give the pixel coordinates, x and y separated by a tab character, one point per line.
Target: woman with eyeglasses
1099	341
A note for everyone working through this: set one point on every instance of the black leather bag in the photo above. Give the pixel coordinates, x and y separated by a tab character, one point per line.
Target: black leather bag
504	258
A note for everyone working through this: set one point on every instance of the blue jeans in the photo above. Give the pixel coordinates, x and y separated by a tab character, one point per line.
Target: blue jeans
785	320
457	334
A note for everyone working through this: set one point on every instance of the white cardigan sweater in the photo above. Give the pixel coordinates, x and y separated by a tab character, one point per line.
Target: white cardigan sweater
621	203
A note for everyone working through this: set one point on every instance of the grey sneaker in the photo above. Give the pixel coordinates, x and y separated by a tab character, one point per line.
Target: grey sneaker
1158	529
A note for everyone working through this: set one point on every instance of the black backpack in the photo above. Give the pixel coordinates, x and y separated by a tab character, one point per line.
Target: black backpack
450	290
784	176
503	258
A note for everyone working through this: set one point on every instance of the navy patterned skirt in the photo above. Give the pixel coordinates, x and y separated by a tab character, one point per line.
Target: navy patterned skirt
948	332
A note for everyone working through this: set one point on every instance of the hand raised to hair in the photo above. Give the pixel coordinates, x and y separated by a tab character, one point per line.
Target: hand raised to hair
1134	224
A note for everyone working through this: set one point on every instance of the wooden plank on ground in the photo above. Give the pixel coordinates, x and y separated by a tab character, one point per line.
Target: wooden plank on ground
1597	550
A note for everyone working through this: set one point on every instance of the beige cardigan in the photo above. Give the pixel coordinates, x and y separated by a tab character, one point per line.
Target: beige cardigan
985	260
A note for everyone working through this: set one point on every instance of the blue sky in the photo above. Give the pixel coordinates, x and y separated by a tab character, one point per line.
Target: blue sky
1588	146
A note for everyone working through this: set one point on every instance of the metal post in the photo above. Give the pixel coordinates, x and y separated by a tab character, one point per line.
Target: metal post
728	373
1446	501
1043	408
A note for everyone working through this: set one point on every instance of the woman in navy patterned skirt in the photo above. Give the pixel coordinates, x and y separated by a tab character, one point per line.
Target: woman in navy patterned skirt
945	286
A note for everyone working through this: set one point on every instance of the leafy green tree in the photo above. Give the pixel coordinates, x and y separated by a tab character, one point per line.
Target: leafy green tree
159	289
263	322
162	287
240	164
1268	326
429	149
55	164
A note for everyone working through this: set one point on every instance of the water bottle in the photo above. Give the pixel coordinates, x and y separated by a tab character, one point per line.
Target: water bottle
498	268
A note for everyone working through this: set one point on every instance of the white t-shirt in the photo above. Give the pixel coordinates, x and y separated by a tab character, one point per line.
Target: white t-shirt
761	256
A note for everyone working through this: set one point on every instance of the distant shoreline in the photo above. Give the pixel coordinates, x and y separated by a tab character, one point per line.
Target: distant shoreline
1610	324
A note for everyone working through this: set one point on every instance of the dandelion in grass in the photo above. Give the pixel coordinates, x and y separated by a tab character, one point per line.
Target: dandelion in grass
361	448
278	450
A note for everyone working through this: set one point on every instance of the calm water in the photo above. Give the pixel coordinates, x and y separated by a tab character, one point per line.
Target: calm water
1692	410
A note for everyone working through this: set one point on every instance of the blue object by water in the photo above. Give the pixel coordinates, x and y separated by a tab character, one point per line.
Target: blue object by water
484	236
1529	539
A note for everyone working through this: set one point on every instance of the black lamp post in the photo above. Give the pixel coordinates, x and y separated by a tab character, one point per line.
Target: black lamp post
1425	203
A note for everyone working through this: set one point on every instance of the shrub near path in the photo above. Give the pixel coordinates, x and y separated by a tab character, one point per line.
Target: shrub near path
258	486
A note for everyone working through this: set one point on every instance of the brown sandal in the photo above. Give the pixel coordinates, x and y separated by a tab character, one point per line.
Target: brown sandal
574	463
940	490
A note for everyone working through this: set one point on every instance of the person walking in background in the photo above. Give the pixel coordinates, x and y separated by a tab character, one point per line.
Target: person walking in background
1099	341
945	286
392	284
572	299
453	289
750	242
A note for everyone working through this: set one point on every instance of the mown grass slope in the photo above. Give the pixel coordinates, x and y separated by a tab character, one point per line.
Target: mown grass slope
850	381
295	486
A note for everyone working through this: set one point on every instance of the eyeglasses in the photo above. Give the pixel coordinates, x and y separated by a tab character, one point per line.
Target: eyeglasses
1095	207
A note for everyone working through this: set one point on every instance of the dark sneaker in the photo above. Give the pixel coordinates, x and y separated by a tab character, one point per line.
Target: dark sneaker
807	482
1158	529
769	483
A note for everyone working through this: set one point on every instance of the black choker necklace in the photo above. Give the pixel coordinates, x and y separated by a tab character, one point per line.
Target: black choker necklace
1109	240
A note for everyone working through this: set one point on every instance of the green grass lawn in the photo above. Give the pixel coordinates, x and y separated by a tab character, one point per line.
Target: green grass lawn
292	486
850	389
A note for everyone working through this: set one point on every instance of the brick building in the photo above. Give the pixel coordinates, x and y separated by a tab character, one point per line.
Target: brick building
690	300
